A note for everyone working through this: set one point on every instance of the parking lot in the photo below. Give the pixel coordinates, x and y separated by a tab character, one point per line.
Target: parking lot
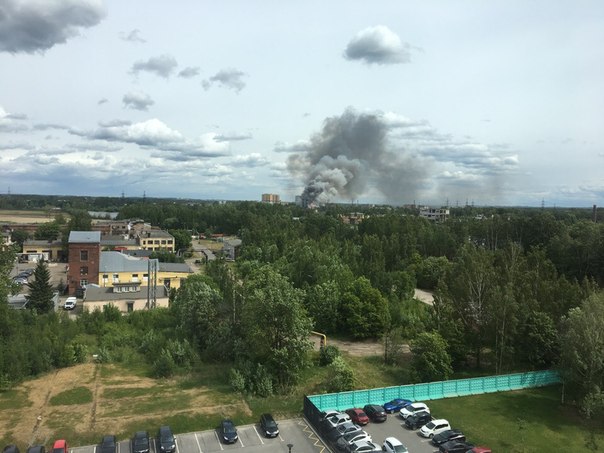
295	432
392	428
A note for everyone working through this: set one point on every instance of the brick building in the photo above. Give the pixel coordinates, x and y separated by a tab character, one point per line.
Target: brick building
84	259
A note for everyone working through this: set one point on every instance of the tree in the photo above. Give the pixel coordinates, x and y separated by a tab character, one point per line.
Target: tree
49	231
364	311
582	348
19	236
275	326
40	297
182	239
431	361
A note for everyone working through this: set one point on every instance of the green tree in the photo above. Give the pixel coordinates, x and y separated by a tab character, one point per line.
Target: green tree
364	311
19	236
49	231
582	348
40	297
182	239
275	326
431	361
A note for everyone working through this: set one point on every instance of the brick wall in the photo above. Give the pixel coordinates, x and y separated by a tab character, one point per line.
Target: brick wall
83	265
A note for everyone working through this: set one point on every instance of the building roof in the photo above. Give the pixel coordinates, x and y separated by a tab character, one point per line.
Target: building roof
116	240
118	262
156	234
175	267
95	293
85	237
33	242
139	253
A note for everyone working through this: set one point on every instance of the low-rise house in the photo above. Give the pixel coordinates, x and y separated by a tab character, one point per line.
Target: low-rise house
46	250
96	297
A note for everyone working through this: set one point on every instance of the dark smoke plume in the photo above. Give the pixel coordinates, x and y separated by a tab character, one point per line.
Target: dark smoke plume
351	156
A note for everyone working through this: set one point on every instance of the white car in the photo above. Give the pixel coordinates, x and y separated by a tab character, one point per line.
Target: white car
412	409
434	427
70	303
337	419
364	446
348	439
393	445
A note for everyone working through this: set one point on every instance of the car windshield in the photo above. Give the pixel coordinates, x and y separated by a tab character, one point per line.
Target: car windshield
430	425
142	441
271	424
228	428
400	449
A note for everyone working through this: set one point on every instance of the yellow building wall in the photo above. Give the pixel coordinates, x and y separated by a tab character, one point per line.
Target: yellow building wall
129	277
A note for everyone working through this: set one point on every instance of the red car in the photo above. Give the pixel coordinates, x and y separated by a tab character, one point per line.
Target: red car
358	416
479	450
60	446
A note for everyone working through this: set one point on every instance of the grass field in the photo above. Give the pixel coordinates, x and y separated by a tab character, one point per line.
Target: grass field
33	216
121	399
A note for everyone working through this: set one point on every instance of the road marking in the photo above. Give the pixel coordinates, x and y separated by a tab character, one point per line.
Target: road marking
312	436
282	439
197	440
176	444
239	439
219	442
151	445
261	441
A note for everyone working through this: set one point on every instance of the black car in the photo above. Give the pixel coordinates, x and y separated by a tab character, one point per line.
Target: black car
108	444
140	442
375	412
269	425
417	420
10	449
455	446
228	432
165	440
448	435
36	449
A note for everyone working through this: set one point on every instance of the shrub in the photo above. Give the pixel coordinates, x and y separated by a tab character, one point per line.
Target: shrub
164	366
237	380
340	377
328	354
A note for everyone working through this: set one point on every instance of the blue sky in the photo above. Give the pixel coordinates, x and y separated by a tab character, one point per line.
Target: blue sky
497	103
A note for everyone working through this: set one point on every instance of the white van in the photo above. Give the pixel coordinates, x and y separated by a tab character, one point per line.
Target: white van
70	303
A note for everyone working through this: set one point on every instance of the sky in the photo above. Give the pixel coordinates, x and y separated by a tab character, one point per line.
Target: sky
428	102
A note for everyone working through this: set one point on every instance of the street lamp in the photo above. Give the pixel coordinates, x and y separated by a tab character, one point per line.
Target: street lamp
290	447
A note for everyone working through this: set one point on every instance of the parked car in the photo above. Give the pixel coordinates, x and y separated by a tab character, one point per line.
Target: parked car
10	449
479	450
60	446
166	442
228	432
269	425
36	449
448	435
418	420
393	445
358	416
412	408
455	446
340	430
337	419
326	414
375	412
140	442
108	444
396	405
434	427
347	439
70	303
363	446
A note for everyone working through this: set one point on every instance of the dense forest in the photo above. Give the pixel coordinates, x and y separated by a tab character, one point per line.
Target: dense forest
515	289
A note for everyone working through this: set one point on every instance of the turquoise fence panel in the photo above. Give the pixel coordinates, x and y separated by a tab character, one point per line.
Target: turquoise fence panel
436	390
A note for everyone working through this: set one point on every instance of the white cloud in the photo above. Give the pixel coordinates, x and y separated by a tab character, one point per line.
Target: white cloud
137	101
132	36
378	45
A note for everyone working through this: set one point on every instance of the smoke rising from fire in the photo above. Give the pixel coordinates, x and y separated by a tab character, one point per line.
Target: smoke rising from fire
352	155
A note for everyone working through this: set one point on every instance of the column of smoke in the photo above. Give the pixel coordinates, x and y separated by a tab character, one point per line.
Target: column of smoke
352	155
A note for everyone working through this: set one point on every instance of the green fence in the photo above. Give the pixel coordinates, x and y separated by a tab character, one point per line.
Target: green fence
436	390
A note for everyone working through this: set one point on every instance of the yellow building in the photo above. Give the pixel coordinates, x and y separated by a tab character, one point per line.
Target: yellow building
46	250
156	240
130	273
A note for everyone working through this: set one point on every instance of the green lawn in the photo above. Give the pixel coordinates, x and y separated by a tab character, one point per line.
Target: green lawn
521	421
77	395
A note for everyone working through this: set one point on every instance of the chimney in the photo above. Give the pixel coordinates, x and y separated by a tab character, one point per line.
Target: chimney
595	214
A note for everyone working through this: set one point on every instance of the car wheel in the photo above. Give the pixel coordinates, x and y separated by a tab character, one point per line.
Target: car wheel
431	436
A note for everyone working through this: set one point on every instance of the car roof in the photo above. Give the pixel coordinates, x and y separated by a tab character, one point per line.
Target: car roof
437	421
393	440
59	443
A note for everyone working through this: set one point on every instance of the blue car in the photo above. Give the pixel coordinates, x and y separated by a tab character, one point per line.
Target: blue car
396	405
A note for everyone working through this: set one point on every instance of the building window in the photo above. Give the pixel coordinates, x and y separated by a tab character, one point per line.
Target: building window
116	278
135	278
163	242
170	241
84	270
157	241
130	306
83	283
83	255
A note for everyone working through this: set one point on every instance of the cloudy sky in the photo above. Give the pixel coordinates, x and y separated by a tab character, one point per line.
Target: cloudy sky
496	103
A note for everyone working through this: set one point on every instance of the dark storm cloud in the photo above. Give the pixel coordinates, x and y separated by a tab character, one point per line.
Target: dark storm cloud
163	66
188	72
36	26
378	45
229	78
137	101
132	36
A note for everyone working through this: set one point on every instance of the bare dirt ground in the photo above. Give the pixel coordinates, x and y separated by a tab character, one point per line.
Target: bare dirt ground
119	401
12	216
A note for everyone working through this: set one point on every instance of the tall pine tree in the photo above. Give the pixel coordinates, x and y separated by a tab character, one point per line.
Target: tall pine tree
41	294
